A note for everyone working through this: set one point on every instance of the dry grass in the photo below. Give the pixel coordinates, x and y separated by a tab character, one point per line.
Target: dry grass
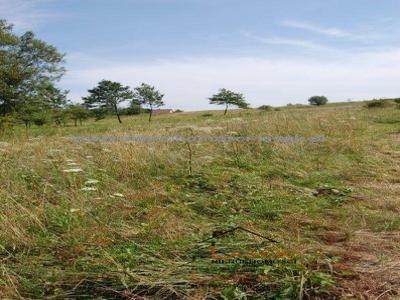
134	231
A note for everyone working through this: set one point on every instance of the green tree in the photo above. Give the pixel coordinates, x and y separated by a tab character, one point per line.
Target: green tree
78	113
148	95
108	94
26	114
318	100
29	69
228	98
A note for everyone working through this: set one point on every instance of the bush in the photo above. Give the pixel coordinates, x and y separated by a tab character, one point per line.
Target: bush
99	114
318	100
178	111
397	100
265	107
376	103
60	117
40	118
207	115
133	109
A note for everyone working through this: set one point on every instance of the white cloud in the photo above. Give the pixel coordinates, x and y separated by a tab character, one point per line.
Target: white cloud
25	14
284	41
188	83
335	32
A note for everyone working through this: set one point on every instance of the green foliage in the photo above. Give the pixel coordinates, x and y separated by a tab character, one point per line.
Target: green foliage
266	107
59	116
229	98
376	103
29	69
147	95
26	114
318	100
6	123
134	109
99	113
78	113
40	118
108	94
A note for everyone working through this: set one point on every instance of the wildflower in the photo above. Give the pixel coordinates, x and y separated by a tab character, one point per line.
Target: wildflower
91	181
75	170
118	195
72	210
88	189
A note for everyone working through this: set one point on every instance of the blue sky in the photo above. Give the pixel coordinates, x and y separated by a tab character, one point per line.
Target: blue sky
274	51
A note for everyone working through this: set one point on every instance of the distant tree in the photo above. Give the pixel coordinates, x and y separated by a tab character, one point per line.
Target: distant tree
59	116
147	95
318	100
99	113
78	113
227	98
108	94
376	103
26	114
134	108
265	107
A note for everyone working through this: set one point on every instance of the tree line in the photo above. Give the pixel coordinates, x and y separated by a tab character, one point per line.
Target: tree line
30	70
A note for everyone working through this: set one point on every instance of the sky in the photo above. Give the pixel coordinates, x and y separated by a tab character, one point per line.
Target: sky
275	52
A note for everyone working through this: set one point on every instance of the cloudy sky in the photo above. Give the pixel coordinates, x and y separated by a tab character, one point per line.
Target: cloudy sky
273	51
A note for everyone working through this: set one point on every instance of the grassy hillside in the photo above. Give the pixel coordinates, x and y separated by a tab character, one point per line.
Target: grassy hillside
125	220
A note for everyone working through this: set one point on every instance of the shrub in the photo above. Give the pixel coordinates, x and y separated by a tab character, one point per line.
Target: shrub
178	111
318	100
376	103
265	107
207	115
99	113
40	118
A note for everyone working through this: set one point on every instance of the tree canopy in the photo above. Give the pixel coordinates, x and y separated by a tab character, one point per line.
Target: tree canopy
149	96
228	98
29	69
108	95
318	100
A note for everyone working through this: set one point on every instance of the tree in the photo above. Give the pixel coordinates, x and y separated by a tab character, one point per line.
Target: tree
108	94
26	114
78	113
227	98
29	67
318	100
148	95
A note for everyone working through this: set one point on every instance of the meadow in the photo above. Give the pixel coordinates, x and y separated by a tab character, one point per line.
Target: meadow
157	219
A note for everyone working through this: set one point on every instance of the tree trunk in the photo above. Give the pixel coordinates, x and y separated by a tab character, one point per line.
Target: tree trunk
151	113
116	112
226	109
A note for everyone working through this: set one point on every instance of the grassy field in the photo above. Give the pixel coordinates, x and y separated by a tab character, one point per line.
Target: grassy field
147	220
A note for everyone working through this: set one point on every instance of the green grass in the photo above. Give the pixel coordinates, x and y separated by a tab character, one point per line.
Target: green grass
140	231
